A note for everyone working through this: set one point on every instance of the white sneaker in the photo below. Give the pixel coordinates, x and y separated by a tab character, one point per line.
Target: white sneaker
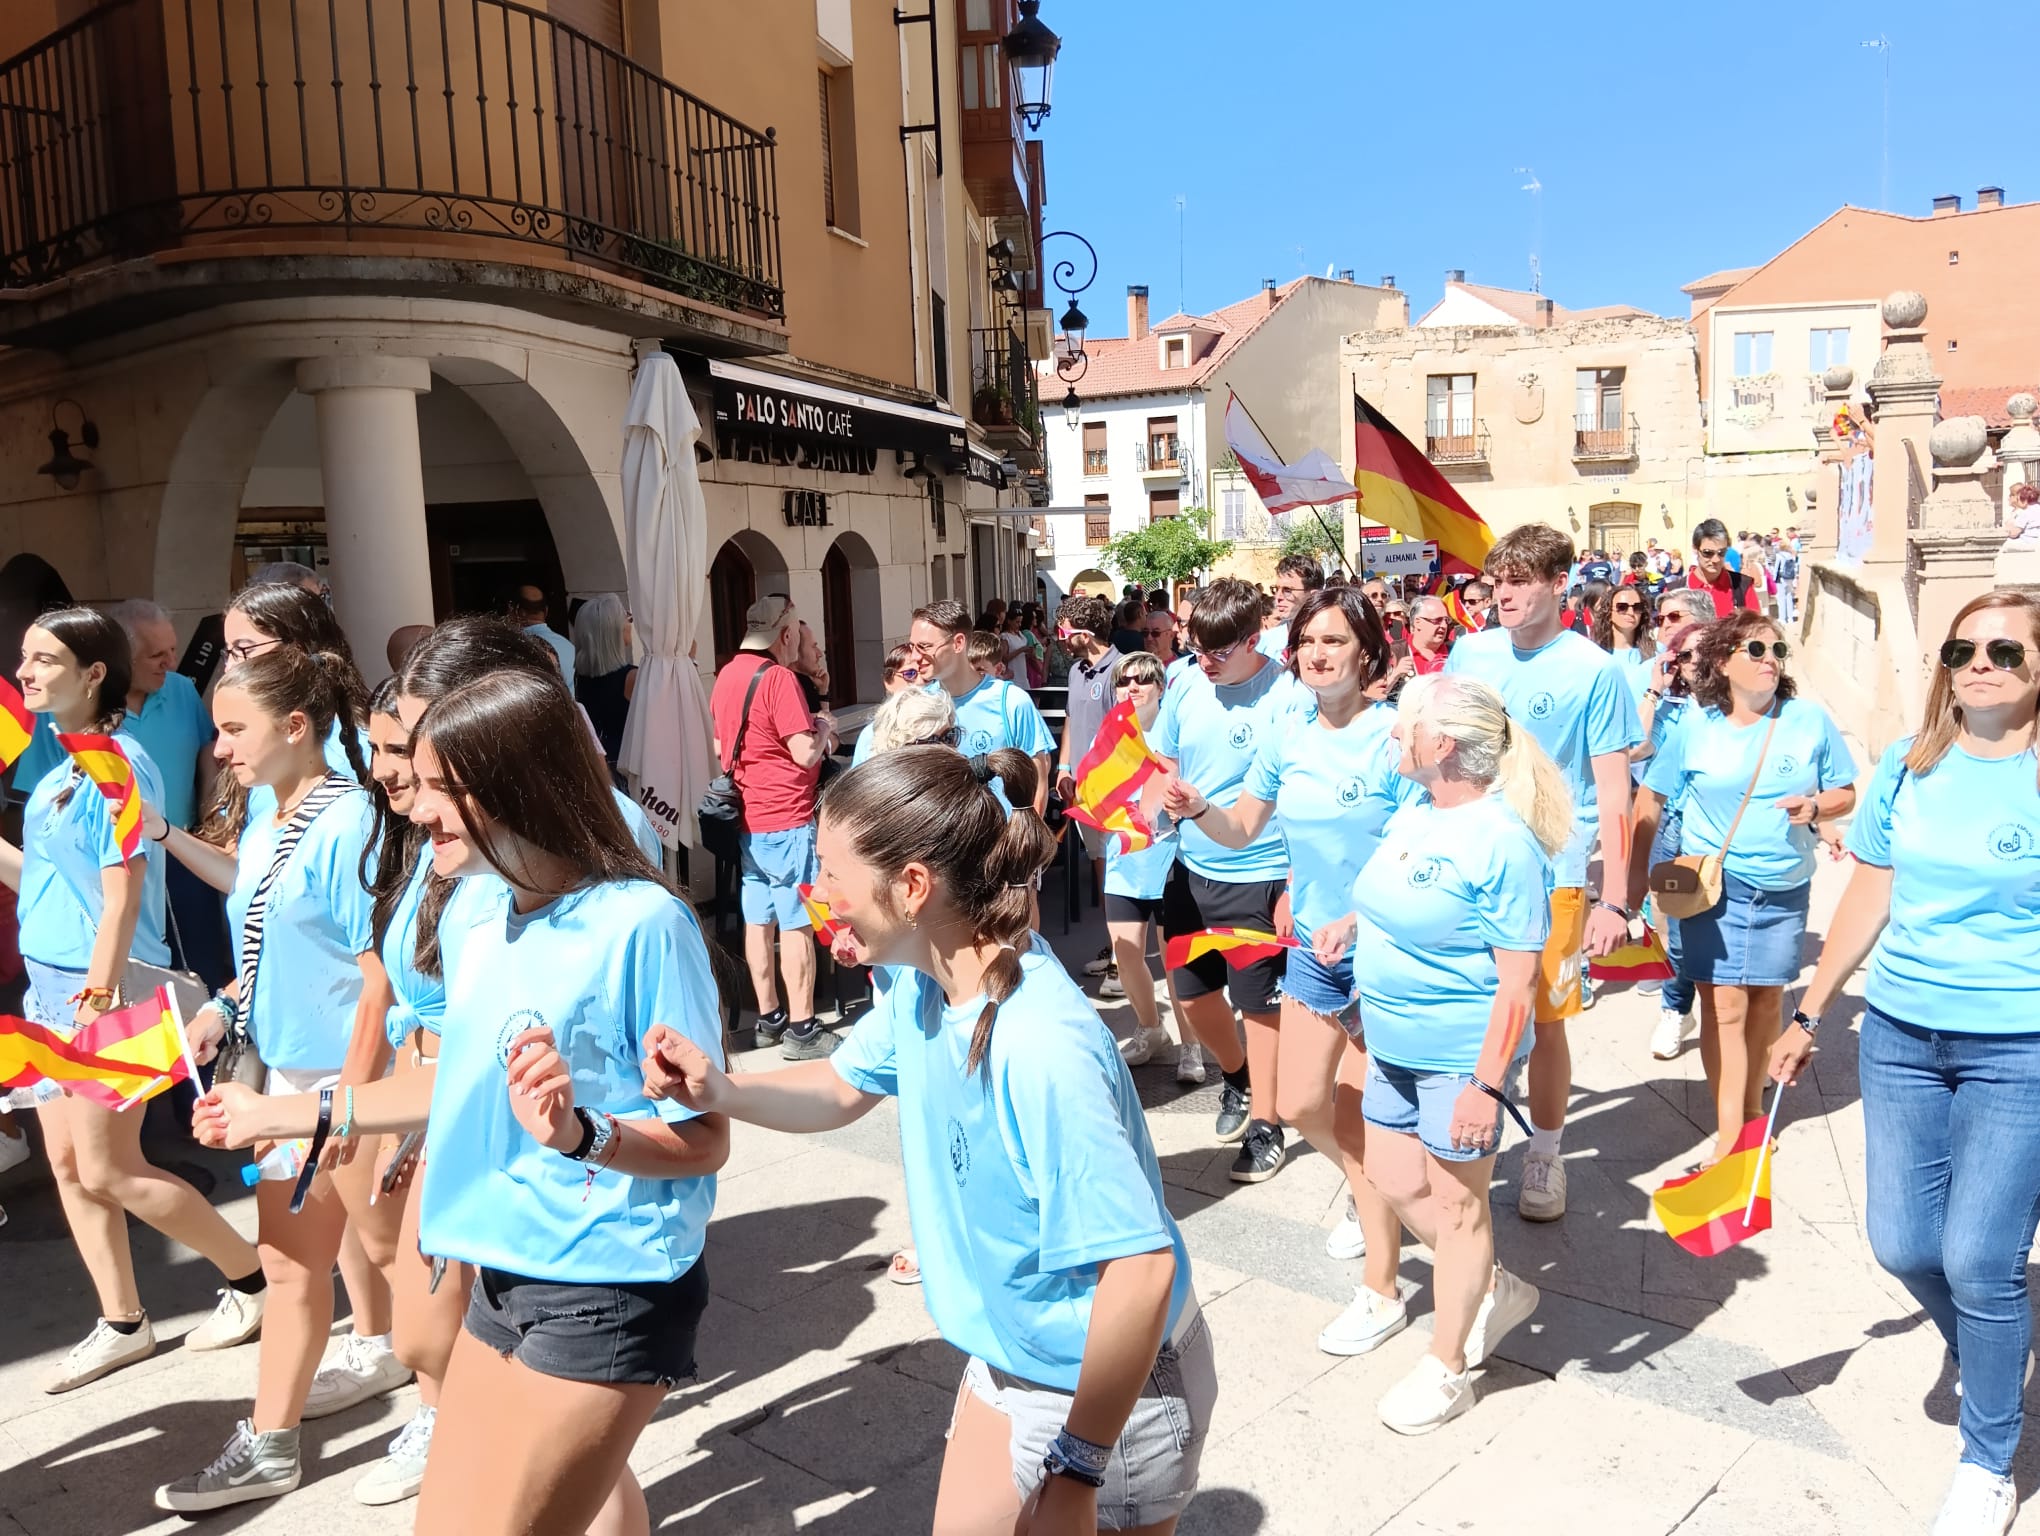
1587	991
235	1320
401	1473
1347	1240
101	1352
1669	1038
1138	1049
1189	1062
361	1368
1426	1398
1101	965
1542	1197
1979	1503
1370	1322
1111	986
14	1151
1509	1303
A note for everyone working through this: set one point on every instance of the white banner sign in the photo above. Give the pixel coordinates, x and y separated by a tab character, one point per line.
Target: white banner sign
1385	557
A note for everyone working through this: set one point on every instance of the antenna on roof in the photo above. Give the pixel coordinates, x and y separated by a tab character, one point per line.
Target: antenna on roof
1536	190
1882	44
1181	307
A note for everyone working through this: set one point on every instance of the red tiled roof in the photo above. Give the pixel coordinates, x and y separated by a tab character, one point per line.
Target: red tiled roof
1521	306
1727	277
1121	366
1182	322
1985	400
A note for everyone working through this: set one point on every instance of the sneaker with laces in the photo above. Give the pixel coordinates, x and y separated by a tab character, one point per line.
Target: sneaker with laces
1370	1322
1138	1049
361	1368
1189	1062
1979	1503
1542	1197
1232	1113
401	1473
1262	1152
1506	1304
1429	1396
101	1352
812	1046
252	1466
1347	1240
1669	1037
235	1320
13	1150
1111	986
768	1028
1102	964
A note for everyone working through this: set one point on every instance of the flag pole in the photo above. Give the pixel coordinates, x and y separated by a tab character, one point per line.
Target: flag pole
183	1040
1770	1124
1338	544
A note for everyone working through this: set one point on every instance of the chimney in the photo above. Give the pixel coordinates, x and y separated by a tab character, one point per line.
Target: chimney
1543	313
1990	197
1455	274
1345	274
1388	279
1950	203
1136	312
1268	290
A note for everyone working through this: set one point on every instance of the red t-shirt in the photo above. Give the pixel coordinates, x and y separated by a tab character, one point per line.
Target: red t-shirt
1435	664
1723	591
778	793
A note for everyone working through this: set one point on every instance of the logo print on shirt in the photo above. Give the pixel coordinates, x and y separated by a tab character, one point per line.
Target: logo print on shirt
959	1152
1786	766
978	743
1541	706
514	1026
1425	872
2012	840
1242	735
1349	792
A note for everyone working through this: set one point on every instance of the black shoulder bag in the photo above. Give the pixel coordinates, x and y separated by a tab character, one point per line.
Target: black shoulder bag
721	809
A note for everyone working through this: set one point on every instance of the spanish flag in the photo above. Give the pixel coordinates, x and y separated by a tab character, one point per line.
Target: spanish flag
102	761
1641	959
17	725
1398	486
1455	609
1703	1212
117	1060
1240	946
820	917
1110	777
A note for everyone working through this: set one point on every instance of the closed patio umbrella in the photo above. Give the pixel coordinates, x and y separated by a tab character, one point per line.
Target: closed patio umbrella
666	740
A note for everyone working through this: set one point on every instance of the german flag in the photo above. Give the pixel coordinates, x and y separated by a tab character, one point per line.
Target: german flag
1401	488
1641	959
1110	777
823	920
17	725
1240	946
1703	1212
102	761
118	1059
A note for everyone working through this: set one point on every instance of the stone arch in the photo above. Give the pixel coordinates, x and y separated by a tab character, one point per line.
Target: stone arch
746	567
1093	582
852	609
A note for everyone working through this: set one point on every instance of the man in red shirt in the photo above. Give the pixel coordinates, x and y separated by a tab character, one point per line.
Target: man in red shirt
1430	635
1710	572
777	746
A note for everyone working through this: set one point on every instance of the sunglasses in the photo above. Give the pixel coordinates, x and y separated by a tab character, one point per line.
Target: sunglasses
1065	632
2005	655
1628	607
948	738
1684	658
1120	685
1216	658
1755	649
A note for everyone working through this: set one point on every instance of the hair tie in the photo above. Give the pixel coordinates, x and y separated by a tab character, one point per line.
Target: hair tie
1507	726
981	769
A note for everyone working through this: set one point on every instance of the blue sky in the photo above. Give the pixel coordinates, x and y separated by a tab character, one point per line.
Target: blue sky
1670	141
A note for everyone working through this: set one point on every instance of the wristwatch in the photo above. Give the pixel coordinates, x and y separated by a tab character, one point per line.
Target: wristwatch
1616	907
597	1131
1804	1022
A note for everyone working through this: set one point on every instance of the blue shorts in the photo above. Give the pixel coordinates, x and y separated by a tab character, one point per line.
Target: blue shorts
1324	990
1420	1104
1751	938
776	866
46	1002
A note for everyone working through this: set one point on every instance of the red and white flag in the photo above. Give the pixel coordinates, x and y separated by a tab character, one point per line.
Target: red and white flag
1312	481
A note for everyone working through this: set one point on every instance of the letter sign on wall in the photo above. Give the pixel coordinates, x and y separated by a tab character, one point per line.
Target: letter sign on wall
807	509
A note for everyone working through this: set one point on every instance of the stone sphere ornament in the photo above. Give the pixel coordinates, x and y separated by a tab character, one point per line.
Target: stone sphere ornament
1905	310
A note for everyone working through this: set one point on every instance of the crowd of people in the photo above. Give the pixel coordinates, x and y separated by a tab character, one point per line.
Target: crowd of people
474	1037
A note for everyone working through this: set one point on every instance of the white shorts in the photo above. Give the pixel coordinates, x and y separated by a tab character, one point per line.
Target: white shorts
282	1080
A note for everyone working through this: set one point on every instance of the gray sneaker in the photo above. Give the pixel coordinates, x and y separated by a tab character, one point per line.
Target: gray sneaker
809	1047
252	1466
101	1352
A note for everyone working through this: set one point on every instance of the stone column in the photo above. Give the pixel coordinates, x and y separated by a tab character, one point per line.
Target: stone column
1823	496
1957	543
369	465
1904	396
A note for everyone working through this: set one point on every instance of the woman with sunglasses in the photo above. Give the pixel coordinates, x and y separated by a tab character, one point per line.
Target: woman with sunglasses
1944	902
1621	622
1753	768
902	668
1668	692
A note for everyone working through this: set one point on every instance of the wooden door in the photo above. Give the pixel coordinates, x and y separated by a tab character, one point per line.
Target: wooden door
839	629
732	588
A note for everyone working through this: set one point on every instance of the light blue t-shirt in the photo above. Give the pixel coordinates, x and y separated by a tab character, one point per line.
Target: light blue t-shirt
62	855
1146	873
642	832
318	920
1177	669
994	715
562	648
1706	765
262	799
1022	1177
1571	695
175	728
1333	792
1443	892
1962	950
1213	734
599	966
1662	719
1274	642
418	1000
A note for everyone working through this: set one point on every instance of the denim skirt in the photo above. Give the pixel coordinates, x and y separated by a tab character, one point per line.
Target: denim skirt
1751	938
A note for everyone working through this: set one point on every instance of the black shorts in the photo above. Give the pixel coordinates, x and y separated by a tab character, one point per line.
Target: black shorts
616	1335
1132	909
1191	903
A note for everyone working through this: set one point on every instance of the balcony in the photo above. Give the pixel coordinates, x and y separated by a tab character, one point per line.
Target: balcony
1463	448
474	130
996	168
1595	442
1161	458
1002	398
1095	462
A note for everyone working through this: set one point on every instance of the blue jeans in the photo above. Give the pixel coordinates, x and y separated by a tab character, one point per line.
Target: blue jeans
1953	1178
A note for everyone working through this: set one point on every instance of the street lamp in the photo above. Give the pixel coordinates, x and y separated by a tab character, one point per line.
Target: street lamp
1070	360
1030	50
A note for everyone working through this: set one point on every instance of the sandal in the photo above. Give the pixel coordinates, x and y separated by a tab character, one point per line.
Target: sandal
904	1269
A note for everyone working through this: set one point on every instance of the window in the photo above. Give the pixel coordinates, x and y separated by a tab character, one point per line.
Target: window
967	77
1951	343
1826	349
938	511
1176	352
1752	353
993	92
938	578
839	151
1232	512
1161	442
977	15
1094	448
1954	258
1448	405
959	577
1597	399
938	315
1163	504
1097	520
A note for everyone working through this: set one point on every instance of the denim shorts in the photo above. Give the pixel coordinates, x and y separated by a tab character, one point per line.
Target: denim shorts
776	865
614	1335
47	1002
1751	938
1420	1104
1324	990
1153	1472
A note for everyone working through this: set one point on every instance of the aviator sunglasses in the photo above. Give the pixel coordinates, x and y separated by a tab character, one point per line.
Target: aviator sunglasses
2005	655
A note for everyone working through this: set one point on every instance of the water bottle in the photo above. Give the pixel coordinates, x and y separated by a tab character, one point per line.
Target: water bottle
284	1161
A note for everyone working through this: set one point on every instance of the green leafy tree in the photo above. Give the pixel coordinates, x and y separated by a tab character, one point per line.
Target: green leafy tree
1167	551
1321	540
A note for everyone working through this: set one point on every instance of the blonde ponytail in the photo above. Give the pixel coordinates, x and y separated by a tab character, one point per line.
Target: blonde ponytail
1530	781
1495	751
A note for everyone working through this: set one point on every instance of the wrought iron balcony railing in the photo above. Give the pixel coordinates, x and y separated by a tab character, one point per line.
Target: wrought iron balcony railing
1594	439
149	124
1002	392
1466	446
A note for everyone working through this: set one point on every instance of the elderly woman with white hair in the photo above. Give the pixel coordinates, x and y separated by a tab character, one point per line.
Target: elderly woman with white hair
605	676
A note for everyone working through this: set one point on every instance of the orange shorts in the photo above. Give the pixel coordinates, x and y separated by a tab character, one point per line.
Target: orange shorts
1559	997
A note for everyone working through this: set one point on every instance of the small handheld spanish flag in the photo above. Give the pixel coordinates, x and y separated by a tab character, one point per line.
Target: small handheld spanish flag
1641	959
17	725
1239	946
117	1060
1711	1211
1110	777
101	760
1455	608
820	917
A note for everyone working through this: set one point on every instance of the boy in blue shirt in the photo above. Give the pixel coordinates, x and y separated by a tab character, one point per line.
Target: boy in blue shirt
990	713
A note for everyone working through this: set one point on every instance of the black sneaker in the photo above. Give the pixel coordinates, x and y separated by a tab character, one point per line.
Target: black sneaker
1261	1154
768	1028
816	1043
1232	1113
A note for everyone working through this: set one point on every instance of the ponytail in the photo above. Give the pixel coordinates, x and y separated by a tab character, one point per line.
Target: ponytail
1023	850
1530	781
1494	751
